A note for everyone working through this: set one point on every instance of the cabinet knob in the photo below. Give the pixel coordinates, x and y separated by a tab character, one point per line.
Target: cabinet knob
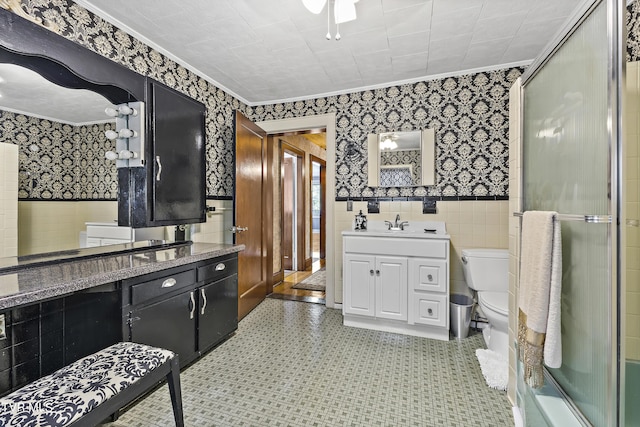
220	266
430	311
430	277
377	272
169	282
371	272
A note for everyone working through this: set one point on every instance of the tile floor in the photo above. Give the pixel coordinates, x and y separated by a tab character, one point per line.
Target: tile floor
295	364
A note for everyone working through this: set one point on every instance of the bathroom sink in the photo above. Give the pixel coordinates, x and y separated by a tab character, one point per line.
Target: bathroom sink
415	230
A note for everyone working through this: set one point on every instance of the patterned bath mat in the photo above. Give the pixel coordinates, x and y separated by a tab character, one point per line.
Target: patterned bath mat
316	282
495	368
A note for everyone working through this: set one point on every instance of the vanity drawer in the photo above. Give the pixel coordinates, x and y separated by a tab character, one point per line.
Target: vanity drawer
431	248
428	275
148	290
218	269
429	309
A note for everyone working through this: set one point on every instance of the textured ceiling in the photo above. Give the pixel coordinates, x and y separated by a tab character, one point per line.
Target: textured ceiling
263	51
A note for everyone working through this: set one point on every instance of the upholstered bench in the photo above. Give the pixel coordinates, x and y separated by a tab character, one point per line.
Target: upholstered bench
91	389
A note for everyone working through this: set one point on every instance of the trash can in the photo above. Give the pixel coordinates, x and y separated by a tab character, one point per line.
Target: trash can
460	307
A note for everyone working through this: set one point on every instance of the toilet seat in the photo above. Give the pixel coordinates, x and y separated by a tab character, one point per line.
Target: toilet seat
495	301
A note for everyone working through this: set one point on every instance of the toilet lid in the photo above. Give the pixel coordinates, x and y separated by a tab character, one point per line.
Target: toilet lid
496	301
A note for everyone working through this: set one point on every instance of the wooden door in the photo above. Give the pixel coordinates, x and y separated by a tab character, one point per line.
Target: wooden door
323	204
288	206
251	221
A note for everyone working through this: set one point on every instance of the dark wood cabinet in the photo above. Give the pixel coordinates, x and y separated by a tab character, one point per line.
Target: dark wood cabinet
169	324
170	189
178	145
187	309
218	301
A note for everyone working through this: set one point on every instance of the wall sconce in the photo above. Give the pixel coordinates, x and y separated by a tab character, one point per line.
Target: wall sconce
351	151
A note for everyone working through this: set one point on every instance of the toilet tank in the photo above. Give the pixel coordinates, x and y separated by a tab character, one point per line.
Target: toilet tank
486	269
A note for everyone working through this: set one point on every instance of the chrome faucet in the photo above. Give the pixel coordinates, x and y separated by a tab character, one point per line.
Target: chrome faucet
397	225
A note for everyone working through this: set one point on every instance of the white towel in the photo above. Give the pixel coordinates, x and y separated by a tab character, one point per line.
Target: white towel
539	296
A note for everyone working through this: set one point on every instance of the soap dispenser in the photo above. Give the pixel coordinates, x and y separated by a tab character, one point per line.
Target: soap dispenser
361	221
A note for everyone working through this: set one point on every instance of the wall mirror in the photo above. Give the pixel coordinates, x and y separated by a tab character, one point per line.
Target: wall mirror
57	91
402	159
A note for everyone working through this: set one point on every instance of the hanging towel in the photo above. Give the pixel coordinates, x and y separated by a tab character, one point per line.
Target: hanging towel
539	297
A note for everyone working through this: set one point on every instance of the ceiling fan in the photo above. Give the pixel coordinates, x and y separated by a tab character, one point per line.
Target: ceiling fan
343	11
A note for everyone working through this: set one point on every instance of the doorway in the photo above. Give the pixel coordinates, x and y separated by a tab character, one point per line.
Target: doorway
301	241
328	122
318	174
293	204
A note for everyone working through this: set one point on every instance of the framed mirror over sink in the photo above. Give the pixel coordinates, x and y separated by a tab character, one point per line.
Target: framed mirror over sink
402	159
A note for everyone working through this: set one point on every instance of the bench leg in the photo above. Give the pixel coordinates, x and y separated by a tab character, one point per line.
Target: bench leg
173	379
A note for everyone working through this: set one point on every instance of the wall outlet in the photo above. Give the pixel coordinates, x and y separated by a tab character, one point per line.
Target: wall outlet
373	206
3	327
429	206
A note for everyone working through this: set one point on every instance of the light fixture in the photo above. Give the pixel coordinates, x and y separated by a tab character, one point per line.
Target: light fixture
343	11
388	144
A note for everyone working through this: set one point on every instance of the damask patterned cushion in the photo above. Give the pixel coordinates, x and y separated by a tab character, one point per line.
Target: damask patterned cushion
69	393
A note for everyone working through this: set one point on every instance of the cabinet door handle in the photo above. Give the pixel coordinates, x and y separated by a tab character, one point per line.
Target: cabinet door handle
430	311
430	277
204	300
192	310
169	282
377	272
371	272
220	267
159	168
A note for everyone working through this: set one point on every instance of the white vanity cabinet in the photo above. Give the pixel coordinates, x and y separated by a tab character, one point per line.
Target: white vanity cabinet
378	286
397	282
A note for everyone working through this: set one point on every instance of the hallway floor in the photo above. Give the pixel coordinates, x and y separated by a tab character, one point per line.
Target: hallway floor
292	364
285	289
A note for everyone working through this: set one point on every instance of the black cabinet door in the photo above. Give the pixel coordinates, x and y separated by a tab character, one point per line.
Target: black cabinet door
178	157
168	324
218	311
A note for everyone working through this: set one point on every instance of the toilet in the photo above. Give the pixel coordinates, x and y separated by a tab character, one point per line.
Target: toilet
487	272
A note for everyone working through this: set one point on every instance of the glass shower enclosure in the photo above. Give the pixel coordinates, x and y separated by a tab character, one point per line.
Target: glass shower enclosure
571	158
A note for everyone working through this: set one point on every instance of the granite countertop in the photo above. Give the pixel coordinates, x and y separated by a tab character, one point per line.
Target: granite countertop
33	282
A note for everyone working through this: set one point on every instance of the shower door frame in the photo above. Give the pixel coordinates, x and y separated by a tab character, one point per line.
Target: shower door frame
616	34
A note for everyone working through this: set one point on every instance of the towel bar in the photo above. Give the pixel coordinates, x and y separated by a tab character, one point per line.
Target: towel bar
594	219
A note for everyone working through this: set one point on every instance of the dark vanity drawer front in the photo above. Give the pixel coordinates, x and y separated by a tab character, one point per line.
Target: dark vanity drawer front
162	286
218	270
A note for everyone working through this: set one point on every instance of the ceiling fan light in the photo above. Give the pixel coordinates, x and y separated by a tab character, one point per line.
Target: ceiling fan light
344	11
388	144
314	6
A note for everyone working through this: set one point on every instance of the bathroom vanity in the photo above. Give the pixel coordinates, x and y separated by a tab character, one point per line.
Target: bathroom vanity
56	308
397	281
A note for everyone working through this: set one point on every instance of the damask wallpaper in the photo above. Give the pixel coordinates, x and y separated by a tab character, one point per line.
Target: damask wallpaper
70	162
468	112
633	31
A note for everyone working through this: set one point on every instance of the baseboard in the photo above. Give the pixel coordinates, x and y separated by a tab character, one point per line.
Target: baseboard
278	277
